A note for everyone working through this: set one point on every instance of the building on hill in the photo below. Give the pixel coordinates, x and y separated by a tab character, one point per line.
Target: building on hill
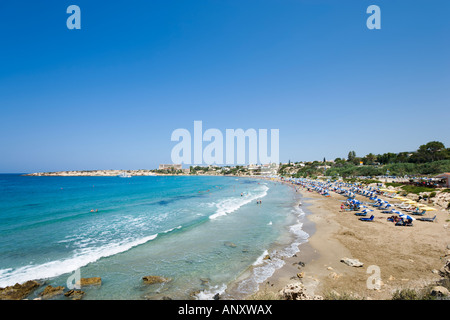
170	166
445	179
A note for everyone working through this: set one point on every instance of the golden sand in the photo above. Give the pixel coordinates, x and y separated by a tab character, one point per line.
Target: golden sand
406	257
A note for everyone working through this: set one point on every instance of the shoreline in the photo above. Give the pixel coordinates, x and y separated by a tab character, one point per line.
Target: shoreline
408	257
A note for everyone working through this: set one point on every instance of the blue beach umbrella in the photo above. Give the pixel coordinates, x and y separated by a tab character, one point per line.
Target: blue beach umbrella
406	216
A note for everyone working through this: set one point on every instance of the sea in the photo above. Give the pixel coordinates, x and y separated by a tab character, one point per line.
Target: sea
206	235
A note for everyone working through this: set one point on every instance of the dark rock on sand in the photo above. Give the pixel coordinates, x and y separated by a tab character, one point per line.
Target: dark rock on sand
18	291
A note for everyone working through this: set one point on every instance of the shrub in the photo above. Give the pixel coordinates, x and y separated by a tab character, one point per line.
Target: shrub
405	294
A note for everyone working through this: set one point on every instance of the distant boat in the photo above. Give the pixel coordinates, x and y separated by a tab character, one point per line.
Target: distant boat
124	175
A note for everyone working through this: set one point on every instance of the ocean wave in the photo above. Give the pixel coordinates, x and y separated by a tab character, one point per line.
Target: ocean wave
170	230
59	267
260	259
230	205
264	268
208	294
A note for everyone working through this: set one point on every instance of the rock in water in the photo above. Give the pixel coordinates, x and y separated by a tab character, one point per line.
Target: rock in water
50	292
74	294
18	291
230	244
154	279
94	281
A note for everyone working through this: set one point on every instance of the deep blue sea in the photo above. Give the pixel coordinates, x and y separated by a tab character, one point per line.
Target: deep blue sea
204	233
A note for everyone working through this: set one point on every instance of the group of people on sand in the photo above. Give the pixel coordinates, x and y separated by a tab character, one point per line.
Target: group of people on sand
400	221
349	206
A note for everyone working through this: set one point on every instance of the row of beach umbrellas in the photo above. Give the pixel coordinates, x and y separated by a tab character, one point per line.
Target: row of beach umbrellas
350	190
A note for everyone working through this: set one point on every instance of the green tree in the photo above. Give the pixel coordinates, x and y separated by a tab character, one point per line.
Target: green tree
369	159
351	156
386	158
432	151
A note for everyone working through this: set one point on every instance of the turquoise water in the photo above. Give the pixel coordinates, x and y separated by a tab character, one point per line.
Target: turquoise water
200	232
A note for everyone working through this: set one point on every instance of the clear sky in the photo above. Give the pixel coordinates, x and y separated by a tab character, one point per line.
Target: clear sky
109	96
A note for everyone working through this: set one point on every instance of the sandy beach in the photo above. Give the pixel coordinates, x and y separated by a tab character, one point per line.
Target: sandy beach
407	257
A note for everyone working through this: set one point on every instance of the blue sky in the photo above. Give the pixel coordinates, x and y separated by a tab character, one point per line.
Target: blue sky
108	96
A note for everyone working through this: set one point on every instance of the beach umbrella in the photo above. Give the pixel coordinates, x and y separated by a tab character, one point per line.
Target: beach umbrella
428	209
406	216
420	205
396	211
367	210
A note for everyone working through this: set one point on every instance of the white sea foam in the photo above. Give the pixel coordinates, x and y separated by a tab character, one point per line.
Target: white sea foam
260	259
227	206
55	268
265	268
209	293
169	230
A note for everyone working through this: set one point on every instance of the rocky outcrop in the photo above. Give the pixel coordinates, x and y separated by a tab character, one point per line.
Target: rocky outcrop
439	291
352	262
154	279
445	270
94	281
18	291
50	292
441	200
296	291
74	294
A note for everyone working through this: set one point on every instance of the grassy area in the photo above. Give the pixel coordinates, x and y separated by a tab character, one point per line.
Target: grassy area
416	190
362	181
421	294
394	184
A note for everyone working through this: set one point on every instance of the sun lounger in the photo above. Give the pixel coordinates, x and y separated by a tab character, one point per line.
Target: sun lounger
419	213
427	219
360	213
367	219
